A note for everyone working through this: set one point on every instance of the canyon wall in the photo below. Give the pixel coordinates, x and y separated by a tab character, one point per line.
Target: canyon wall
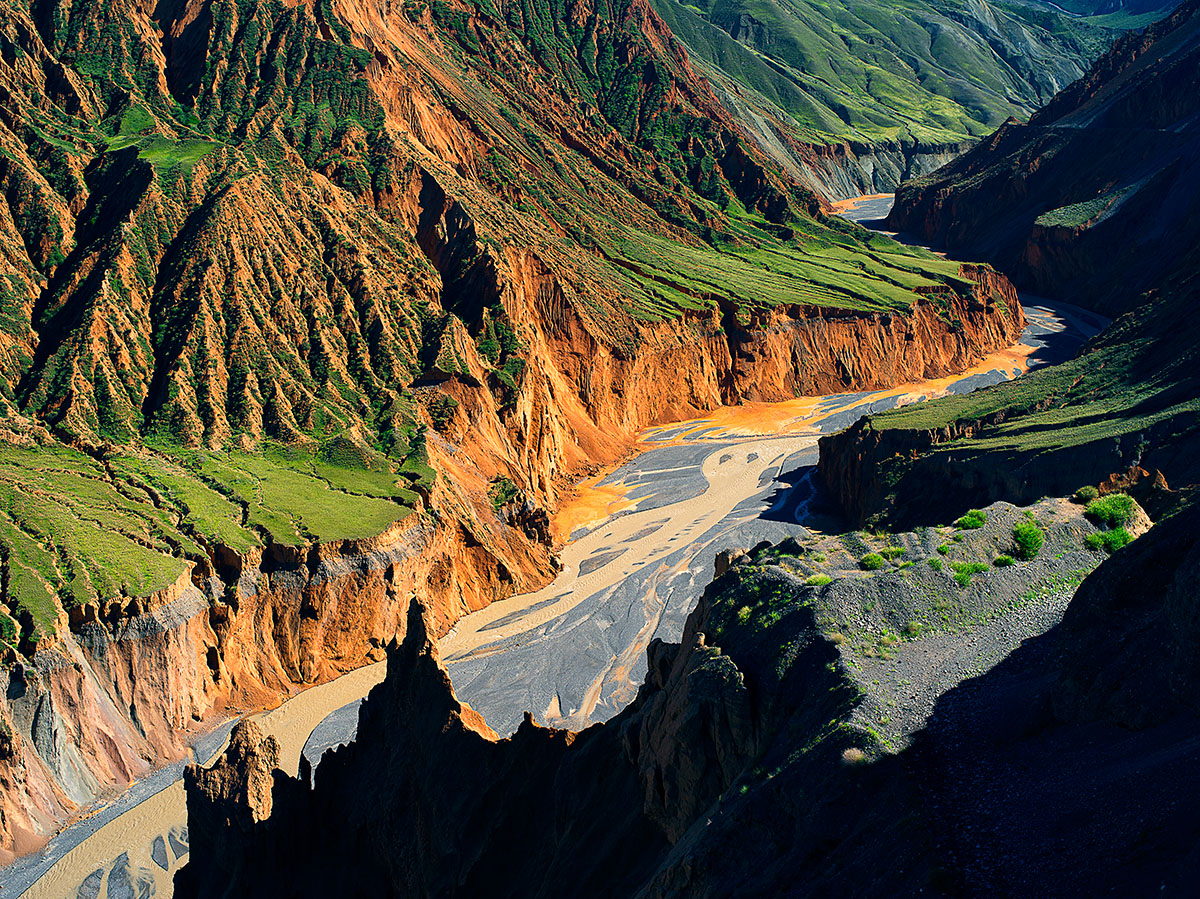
125	686
839	171
124	690
1118	416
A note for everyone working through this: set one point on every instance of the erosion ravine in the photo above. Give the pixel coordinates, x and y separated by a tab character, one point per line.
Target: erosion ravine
641	540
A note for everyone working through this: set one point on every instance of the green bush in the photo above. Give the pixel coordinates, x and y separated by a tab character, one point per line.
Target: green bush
1109	541
892	552
935	564
944	549
1085	494
1112	511
964	570
818	580
973	519
1027	540
871	561
1002	561
502	492
912	629
441	410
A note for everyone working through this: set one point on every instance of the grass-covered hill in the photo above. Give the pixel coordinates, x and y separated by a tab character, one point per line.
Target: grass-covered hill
917	71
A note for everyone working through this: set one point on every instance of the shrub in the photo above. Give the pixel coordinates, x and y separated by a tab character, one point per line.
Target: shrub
1085	494
502	492
892	552
1027	540
818	580
964	570
973	519
743	614
871	561
935	564
912	629
1112	511
944	549
854	756
1002	561
441	411
1109	541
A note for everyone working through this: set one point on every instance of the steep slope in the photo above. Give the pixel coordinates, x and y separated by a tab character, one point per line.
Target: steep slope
1095	197
1128	402
857	97
889	733
1116	13
310	307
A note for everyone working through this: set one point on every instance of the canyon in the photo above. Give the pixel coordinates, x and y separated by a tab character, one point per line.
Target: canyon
953	700
629	575
315	315
284	345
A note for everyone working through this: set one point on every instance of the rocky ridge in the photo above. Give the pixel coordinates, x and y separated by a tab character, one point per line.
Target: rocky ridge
773	750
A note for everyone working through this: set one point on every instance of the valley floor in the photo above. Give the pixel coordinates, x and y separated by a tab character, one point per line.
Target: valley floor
641	543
